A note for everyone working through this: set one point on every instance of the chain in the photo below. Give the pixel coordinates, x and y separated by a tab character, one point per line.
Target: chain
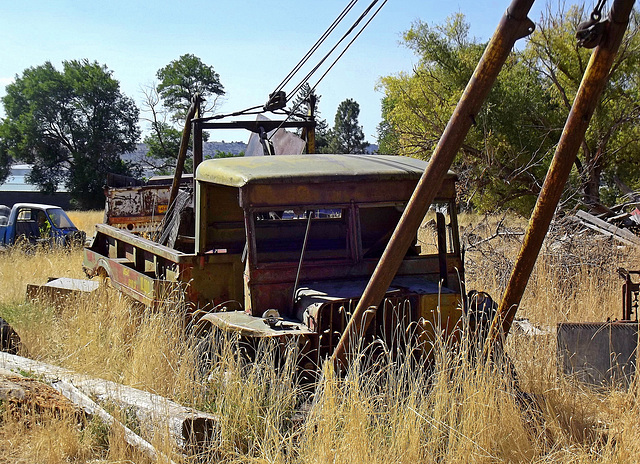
589	32
596	15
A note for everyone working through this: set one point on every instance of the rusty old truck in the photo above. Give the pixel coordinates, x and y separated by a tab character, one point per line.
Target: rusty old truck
283	246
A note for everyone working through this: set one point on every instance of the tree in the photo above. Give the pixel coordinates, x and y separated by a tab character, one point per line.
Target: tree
610	153
168	103
180	80
346	135
72	125
163	142
300	108
506	154
5	161
499	163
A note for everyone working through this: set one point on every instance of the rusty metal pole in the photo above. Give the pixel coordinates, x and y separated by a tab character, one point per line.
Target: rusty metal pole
182	153
309	134
513	26
587	98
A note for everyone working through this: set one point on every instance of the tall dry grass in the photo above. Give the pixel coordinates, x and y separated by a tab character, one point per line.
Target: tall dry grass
388	412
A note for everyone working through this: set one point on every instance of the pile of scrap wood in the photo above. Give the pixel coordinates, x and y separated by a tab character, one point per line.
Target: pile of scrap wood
621	222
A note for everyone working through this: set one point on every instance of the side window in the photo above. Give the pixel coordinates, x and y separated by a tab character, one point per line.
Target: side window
377	224
24	215
438	217
26	223
280	234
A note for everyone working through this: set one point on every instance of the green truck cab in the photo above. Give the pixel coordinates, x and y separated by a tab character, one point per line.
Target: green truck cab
284	246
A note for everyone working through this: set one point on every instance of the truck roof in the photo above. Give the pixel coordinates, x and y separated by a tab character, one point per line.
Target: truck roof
35	206
241	171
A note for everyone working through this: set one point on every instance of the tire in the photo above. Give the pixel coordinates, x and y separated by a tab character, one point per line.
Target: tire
9	339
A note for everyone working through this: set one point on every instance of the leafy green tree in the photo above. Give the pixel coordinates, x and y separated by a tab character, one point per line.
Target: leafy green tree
346	135
506	154
163	145
168	103
610	153
182	79
495	164
163	141
72	125
5	161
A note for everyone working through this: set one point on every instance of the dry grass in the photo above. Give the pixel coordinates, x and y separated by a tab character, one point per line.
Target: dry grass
385	413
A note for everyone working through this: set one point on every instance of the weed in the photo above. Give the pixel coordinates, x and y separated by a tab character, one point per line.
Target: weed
386	411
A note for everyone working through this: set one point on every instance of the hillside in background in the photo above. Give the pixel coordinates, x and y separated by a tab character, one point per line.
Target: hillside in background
210	149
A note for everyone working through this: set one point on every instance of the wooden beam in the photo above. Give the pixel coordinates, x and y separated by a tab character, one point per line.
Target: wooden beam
93	409
189	428
623	235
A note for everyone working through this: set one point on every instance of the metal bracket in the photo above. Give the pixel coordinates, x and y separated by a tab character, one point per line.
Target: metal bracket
589	33
525	26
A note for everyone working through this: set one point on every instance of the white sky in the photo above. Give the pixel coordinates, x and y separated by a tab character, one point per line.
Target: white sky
251	44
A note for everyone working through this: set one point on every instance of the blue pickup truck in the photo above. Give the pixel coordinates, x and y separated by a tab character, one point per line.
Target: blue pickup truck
38	224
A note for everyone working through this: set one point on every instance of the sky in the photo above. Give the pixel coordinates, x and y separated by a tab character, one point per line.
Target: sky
251	44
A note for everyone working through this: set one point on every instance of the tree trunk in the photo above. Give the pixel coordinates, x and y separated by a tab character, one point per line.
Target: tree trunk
591	175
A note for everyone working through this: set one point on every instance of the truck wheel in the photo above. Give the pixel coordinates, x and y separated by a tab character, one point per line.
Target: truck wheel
9	339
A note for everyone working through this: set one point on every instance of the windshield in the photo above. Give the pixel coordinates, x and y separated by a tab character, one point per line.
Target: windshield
59	219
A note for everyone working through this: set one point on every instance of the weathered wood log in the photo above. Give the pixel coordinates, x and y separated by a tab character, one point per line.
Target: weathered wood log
93	409
189	428
11	391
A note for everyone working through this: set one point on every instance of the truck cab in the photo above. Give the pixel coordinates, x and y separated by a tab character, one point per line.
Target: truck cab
37	224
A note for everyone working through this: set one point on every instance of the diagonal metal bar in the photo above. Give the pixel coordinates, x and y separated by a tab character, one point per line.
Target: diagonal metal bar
513	26
588	96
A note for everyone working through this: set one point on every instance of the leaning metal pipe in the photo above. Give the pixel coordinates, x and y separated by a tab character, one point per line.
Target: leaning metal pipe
182	153
587	98
513	26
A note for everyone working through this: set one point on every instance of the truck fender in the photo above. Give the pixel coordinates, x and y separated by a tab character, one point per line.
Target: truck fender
203	319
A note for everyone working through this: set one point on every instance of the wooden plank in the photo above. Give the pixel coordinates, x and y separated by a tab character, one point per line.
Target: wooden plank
144	244
605	228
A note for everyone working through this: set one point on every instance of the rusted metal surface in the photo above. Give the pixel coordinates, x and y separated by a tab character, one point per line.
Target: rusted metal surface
136	209
250	255
143	244
630	294
194	109
604	353
247	326
302	169
253	126
514	25
601	354
587	98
